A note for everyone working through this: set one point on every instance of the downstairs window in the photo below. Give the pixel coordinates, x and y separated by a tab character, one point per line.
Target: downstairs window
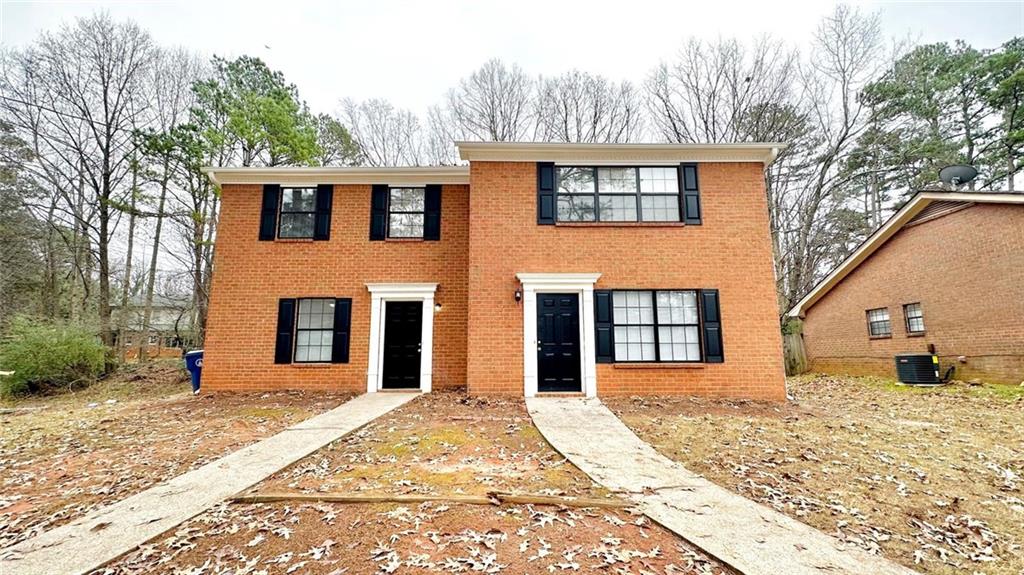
658	326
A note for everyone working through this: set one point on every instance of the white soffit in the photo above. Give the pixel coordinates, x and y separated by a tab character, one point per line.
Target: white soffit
405	176
876	240
611	154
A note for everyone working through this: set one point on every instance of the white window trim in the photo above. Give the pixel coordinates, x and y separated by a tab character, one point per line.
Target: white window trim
380	294
578	283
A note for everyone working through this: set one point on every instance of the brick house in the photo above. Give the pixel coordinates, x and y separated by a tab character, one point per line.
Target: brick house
573	268
945	273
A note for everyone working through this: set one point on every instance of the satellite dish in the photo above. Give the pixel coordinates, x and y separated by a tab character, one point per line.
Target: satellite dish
957	175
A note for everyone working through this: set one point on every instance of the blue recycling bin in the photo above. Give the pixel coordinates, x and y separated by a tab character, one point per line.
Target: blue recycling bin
194	363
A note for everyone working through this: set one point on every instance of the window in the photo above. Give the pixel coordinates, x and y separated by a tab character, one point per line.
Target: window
878	322
314	334
643	194
656	325
914	317
298	213
406	207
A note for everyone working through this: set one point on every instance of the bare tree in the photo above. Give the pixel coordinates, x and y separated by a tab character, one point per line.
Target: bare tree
171	97
84	83
813	224
384	135
580	107
494	103
723	91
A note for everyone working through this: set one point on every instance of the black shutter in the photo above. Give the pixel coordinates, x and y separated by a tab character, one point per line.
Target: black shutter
603	321
324	200
545	193
268	214
691	194
285	330
379	212
342	321
432	215
712	324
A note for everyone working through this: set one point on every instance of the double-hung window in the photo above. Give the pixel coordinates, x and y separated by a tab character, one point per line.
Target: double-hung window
656	325
618	194
314	331
878	322
914	316
298	213
406	212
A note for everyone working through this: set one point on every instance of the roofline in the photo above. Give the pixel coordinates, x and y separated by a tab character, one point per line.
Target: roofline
893	225
611	154
295	176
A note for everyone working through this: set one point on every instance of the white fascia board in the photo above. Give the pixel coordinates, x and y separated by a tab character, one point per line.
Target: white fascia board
406	176
614	154
919	202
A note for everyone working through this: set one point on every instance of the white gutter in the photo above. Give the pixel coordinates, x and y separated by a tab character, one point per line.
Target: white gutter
610	154
403	176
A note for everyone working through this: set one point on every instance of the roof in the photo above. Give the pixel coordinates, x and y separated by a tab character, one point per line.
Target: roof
610	154
924	206
295	176
590	154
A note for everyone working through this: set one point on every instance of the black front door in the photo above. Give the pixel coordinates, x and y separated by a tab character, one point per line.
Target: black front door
403	330
558	342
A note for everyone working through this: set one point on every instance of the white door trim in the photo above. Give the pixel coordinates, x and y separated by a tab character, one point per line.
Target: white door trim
582	284
380	293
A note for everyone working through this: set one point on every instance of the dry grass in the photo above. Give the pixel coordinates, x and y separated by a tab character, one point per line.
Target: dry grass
441	443
64	455
931	478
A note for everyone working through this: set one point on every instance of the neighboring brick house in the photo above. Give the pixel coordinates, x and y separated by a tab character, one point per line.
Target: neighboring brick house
572	268
946	273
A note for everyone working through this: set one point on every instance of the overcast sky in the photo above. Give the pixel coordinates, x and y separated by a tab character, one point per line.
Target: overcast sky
412	52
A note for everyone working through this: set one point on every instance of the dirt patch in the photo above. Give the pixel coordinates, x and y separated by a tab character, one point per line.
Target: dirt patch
930	478
442	443
65	455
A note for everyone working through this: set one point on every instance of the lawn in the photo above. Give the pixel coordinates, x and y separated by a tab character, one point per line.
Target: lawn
930	478
64	455
443	443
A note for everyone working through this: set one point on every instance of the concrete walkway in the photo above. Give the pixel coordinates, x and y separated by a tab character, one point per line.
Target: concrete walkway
111	531
749	537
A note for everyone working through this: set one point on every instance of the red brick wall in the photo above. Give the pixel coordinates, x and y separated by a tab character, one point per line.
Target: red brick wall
250	276
967	270
731	251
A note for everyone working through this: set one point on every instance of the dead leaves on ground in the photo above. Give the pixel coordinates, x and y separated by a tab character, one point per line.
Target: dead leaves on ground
931	479
62	462
429	538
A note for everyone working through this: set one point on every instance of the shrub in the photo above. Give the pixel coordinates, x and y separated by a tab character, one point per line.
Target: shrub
48	355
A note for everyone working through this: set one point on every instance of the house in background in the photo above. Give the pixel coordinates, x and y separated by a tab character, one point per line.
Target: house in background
946	272
588	269
169	325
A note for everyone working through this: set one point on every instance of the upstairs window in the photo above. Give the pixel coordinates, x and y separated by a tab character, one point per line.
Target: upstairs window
616	194
298	213
406	212
878	322
914	317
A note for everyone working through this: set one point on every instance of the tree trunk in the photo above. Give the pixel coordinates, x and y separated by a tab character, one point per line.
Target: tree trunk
1010	168
147	316
122	318
50	281
103	249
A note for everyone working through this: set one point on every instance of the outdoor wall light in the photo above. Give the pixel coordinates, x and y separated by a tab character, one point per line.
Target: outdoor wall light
437	307
518	295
